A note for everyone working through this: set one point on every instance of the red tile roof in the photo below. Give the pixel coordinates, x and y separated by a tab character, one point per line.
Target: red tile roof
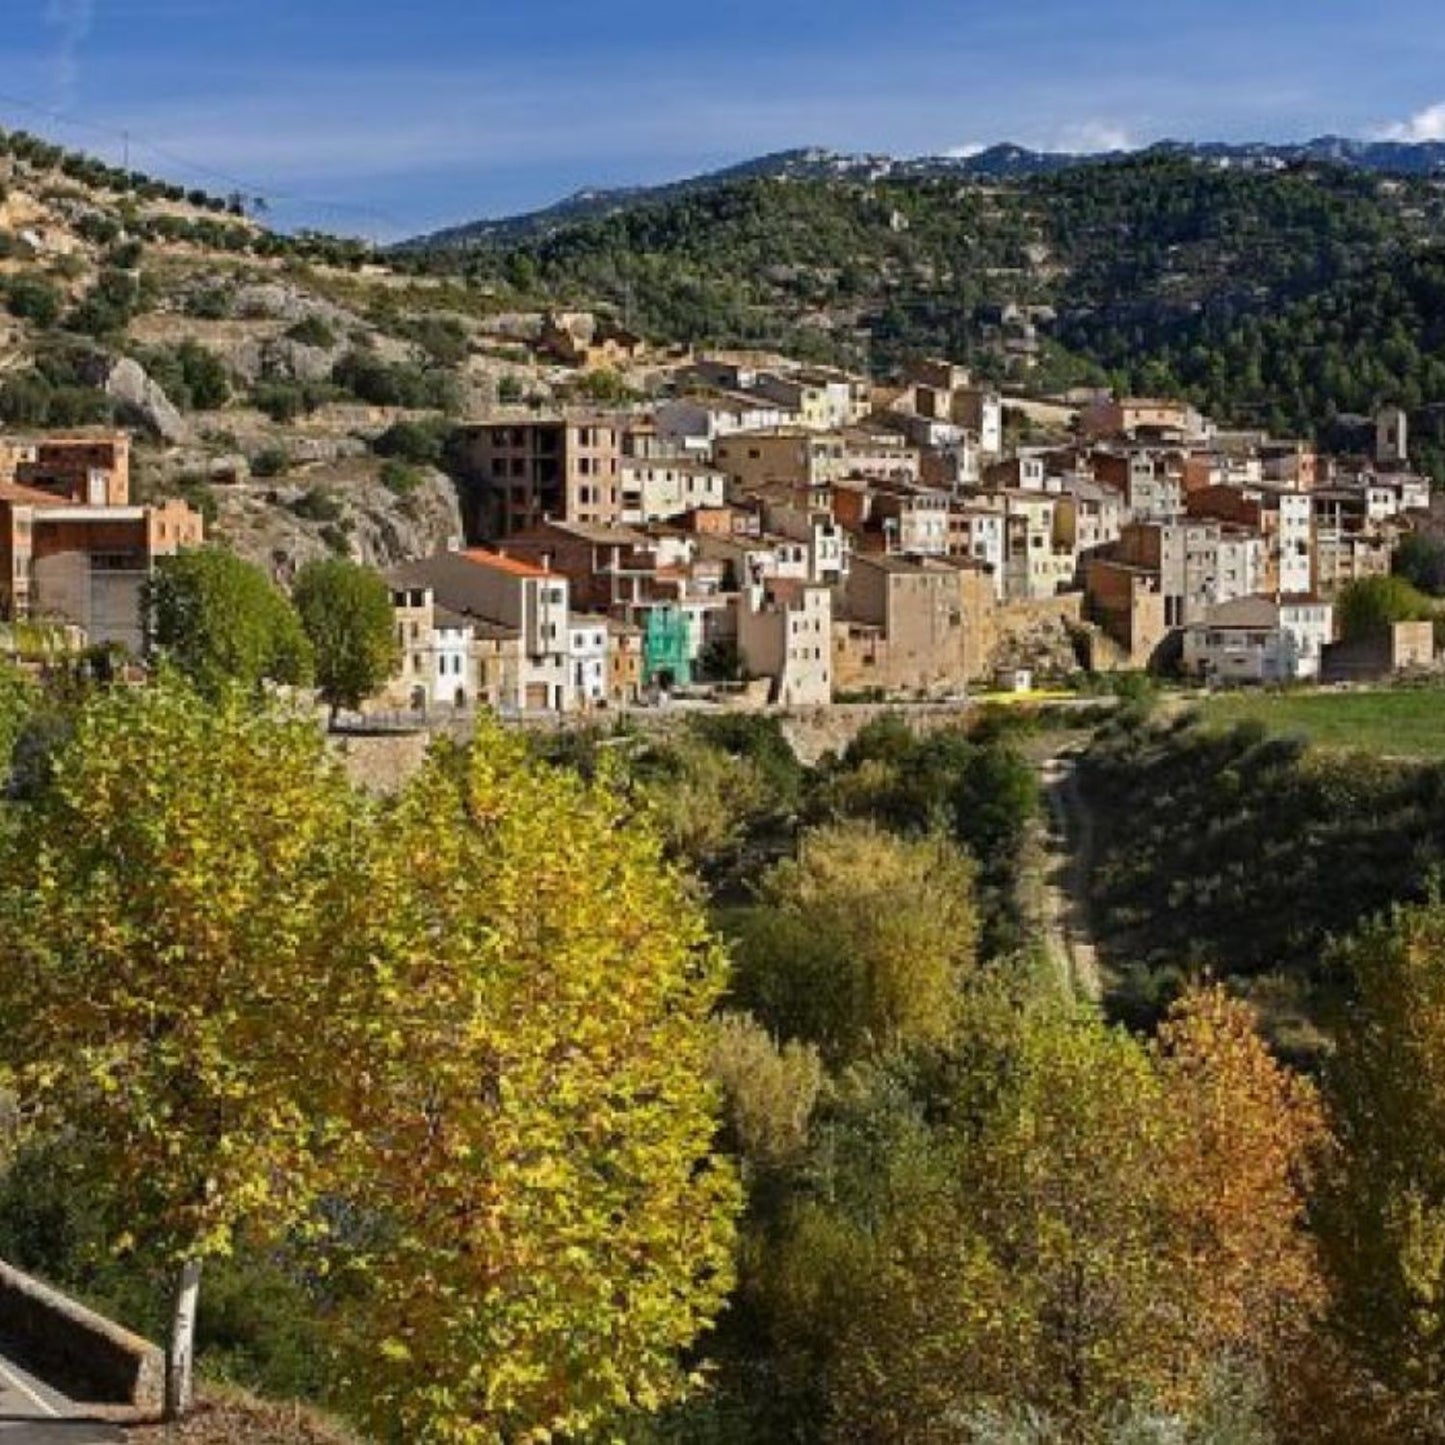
502	563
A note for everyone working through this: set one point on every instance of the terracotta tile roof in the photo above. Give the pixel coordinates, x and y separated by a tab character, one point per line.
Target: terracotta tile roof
502	563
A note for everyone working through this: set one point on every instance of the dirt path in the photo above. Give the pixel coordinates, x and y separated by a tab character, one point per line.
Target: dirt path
1068	862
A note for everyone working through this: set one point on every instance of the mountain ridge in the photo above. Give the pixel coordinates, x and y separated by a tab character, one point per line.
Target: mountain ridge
1002	161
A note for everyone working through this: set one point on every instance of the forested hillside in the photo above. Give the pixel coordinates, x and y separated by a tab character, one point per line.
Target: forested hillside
1278	298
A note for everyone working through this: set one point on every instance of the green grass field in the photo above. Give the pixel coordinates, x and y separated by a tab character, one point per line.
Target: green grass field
1407	723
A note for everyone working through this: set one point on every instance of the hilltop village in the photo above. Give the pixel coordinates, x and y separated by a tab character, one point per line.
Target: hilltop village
804	536
789	535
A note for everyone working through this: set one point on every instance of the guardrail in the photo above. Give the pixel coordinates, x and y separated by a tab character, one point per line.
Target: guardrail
75	1350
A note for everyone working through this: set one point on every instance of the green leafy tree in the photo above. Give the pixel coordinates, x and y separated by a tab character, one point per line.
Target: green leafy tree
168	909
219	619
1385	1216
207	381
1420	560
19	697
770	1091
1119	1223
346	612
1372	605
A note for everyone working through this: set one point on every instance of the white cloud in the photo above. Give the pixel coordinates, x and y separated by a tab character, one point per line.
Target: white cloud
965	151
1087	137
1427	124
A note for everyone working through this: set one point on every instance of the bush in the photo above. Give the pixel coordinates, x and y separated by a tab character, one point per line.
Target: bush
32	399
271	462
372	380
313	331
192	377
284	401
443	338
215	303
206	376
13	247
605	387
317	505
421	442
126	256
32	299
400	478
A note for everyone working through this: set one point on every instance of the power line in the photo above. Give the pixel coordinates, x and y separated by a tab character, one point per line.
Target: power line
270	195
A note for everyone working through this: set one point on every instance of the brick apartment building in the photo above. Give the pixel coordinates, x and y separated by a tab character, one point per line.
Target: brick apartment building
525	472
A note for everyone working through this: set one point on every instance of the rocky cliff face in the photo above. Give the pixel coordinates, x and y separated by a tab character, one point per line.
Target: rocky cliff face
281	524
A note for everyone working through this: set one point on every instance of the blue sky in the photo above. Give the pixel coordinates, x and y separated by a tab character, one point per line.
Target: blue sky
385	118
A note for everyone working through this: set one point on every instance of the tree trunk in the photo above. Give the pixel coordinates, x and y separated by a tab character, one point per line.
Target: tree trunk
181	1356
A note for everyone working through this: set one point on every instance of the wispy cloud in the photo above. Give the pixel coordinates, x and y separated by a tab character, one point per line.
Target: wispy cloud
1427	124
1087	137
74	20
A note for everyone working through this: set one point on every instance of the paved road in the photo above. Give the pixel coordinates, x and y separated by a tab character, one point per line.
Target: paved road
32	1414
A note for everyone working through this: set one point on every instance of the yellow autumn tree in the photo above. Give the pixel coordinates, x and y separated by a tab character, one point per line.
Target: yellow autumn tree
167	910
552	1229
1249	1138
862	944
1123	1221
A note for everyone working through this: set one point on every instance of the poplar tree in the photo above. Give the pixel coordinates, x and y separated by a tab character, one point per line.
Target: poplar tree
167	908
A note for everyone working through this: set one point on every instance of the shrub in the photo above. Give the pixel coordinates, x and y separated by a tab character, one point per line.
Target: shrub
317	505
313	331
33	299
372	380
271	462
400	478
284	401
215	303
421	442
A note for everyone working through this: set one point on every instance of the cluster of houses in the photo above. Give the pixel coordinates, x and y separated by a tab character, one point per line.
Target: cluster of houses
819	537
803	535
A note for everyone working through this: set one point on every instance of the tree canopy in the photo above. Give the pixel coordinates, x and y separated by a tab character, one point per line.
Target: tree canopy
168	906
459	1052
345	610
219	619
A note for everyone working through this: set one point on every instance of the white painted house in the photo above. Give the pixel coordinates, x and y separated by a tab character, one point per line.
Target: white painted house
587	658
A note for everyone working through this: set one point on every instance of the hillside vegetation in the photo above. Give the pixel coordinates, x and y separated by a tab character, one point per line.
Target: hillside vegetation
294	389
1273	298
1242	852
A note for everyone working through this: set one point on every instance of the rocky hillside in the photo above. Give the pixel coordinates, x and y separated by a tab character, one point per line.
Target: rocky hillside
298	389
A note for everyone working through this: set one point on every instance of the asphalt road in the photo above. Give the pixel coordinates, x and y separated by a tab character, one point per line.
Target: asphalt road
32	1414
